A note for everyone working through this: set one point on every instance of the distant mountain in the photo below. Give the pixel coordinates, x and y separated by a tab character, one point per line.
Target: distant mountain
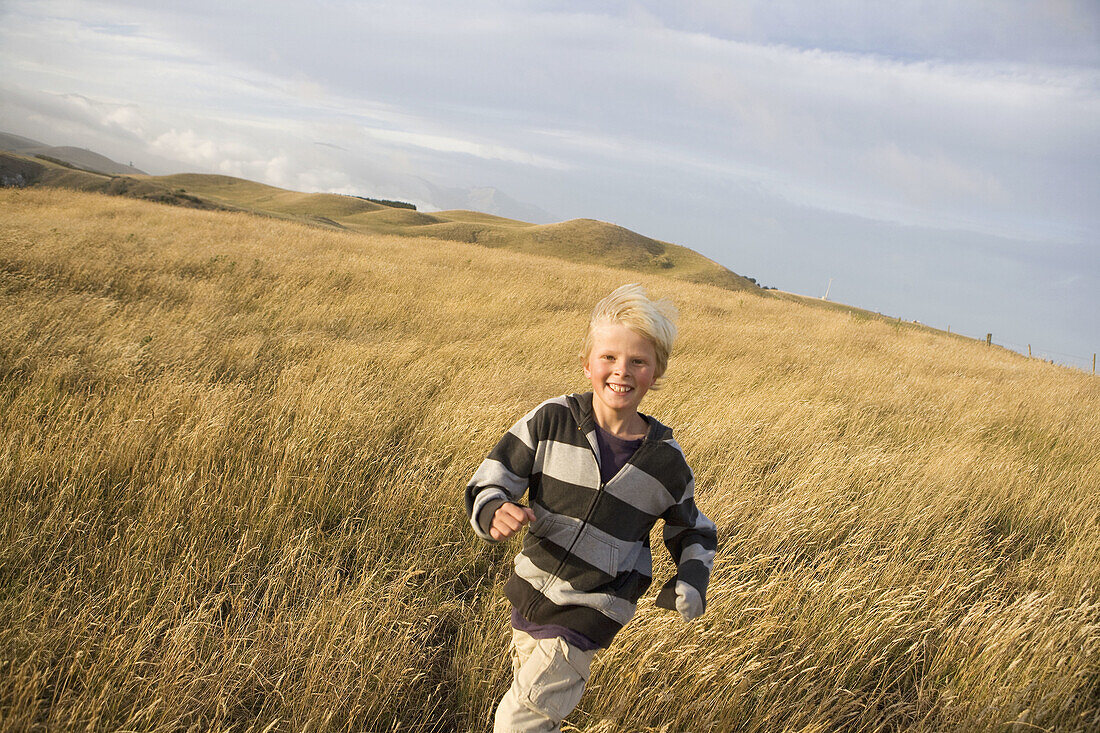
79	157
18	143
485	199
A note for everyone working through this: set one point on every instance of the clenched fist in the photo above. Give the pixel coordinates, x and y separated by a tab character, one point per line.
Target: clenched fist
509	519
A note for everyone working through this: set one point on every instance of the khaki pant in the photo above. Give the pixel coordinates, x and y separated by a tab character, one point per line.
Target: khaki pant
548	677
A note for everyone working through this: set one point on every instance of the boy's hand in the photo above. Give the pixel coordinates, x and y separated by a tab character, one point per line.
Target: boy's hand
509	519
688	601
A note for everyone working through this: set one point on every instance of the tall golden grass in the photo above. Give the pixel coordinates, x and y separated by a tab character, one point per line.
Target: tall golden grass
233	451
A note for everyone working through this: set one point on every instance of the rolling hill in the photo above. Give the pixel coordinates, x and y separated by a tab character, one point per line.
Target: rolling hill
578	240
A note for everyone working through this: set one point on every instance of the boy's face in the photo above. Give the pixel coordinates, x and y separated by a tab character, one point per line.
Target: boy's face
621	366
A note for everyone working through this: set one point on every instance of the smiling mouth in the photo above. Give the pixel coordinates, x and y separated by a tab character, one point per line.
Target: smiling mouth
620	388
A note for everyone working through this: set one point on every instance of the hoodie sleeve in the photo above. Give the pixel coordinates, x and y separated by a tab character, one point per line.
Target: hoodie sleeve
503	476
692	540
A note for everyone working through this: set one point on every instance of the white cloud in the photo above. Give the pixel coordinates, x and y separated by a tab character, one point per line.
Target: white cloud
447	144
190	147
959	142
126	118
928	180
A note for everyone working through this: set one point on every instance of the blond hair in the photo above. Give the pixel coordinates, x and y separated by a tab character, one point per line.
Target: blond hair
629	306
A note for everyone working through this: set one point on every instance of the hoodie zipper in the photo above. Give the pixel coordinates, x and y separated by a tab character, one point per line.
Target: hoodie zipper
591	507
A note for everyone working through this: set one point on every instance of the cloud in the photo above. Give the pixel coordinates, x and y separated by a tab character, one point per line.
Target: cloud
927	180
190	147
447	144
1053	32
551	89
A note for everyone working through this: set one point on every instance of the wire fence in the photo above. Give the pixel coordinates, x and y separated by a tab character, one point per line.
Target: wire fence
1085	363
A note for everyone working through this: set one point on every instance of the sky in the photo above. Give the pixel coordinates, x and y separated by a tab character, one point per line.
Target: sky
933	161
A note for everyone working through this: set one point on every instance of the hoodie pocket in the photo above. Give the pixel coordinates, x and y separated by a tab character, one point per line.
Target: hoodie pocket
559	531
601	554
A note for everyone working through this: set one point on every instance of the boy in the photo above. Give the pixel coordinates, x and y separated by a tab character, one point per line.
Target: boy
599	475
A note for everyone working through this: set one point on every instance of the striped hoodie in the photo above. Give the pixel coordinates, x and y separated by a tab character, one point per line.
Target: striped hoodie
586	558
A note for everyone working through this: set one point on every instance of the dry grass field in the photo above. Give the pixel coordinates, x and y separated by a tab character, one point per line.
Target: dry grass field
233	451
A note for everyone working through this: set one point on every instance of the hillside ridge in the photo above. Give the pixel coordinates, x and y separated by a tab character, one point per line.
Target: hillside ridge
586	241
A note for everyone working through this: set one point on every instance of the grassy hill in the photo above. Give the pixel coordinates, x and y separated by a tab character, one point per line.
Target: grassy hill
580	240
234	448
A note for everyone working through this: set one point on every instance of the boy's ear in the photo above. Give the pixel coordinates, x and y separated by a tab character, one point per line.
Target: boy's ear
584	365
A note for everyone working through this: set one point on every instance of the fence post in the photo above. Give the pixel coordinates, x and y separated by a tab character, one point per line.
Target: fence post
989	339
1094	362
1029	351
